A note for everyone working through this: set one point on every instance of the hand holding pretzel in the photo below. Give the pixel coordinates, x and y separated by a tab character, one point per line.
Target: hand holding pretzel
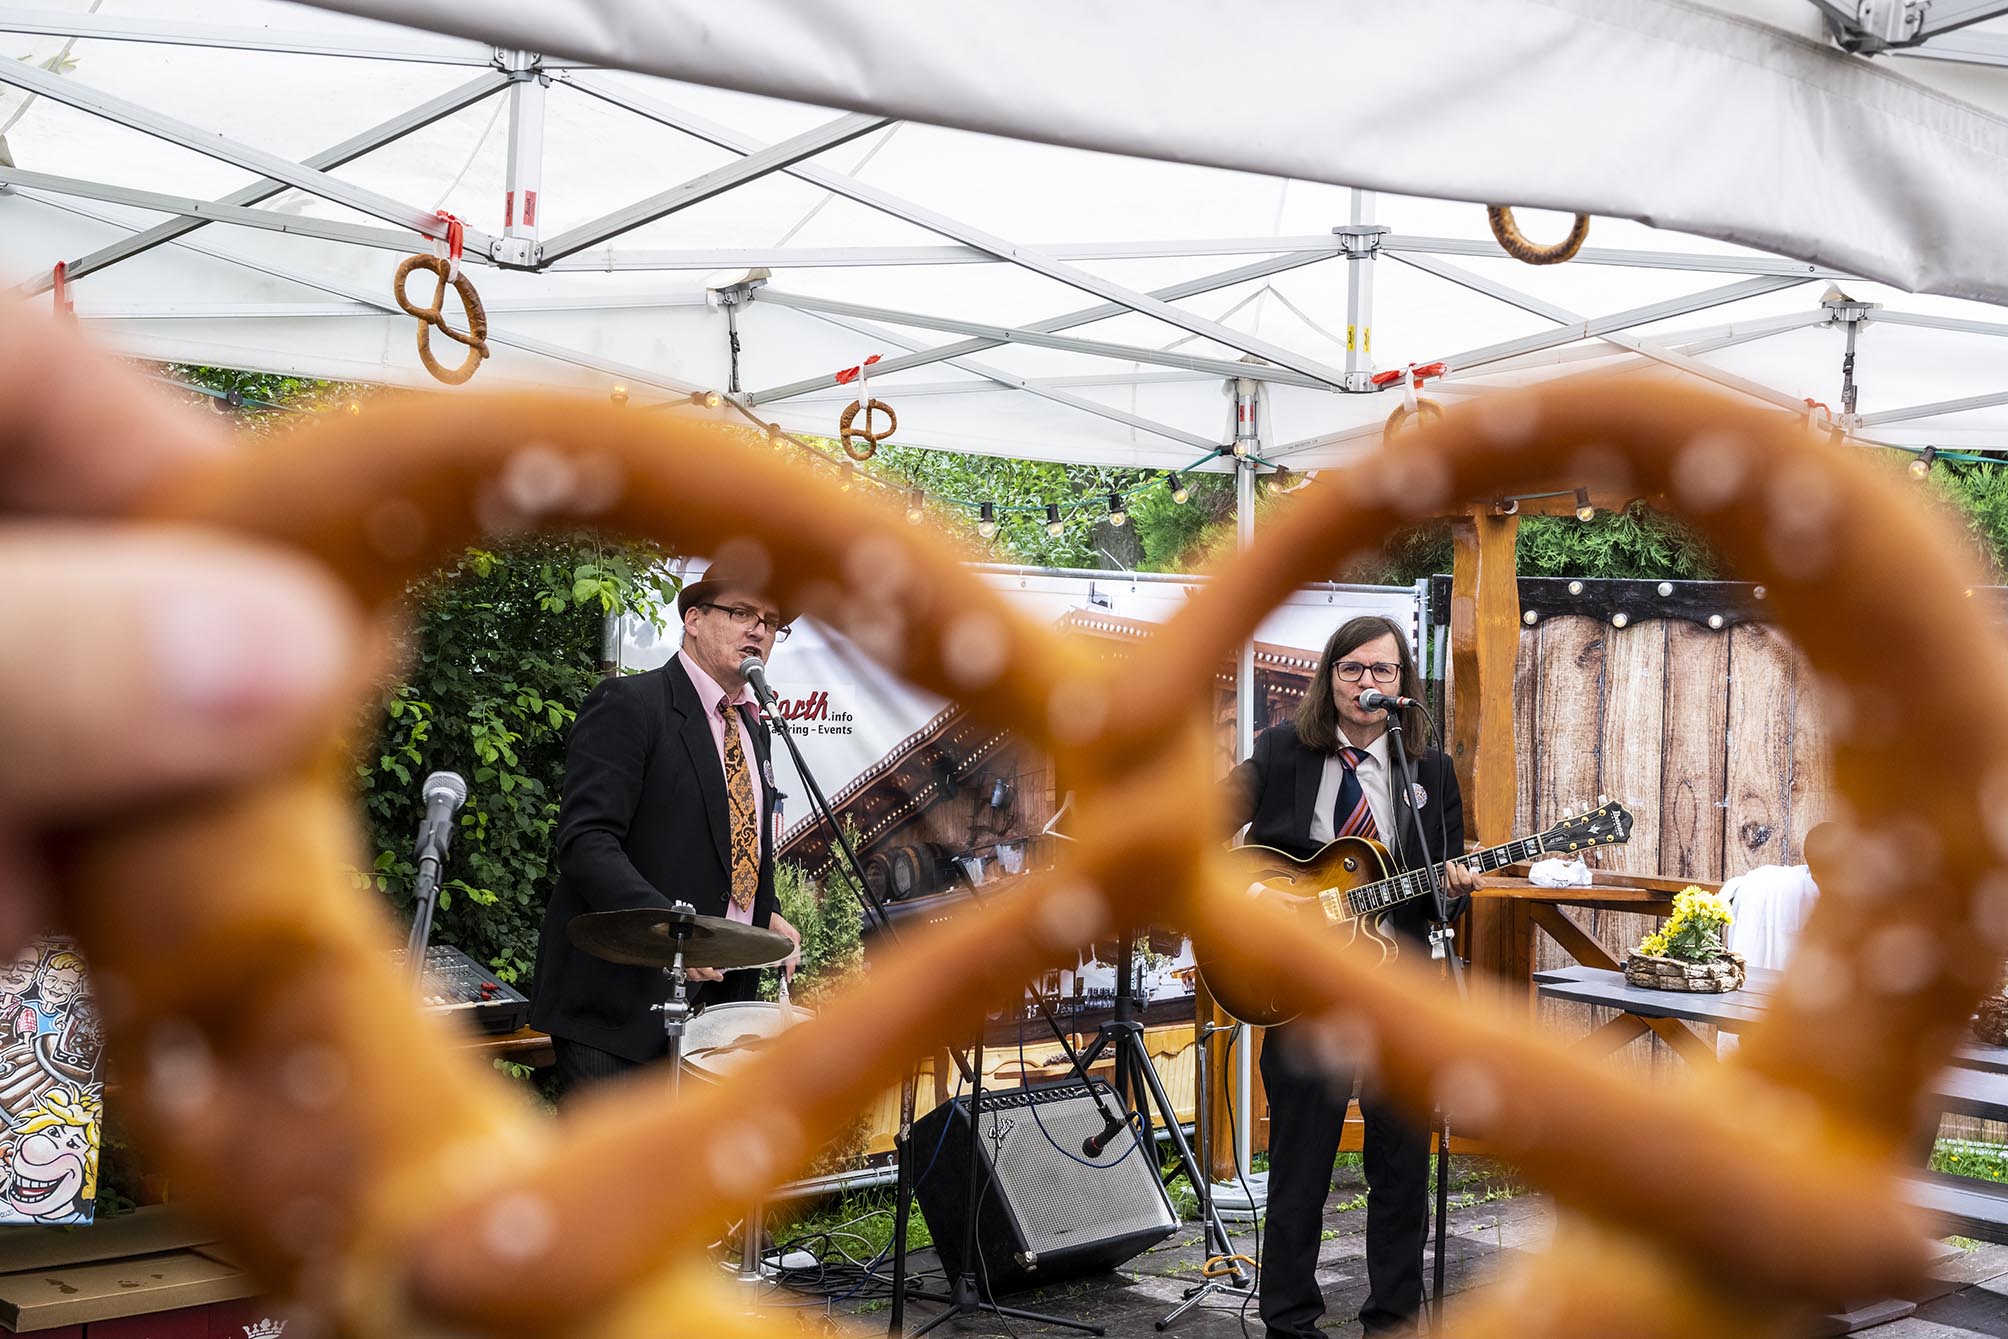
269	1044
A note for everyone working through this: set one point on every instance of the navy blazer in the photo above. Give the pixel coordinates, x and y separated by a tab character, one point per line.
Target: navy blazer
1275	790
643	823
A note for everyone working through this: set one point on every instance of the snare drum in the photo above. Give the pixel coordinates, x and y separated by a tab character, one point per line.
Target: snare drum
725	1037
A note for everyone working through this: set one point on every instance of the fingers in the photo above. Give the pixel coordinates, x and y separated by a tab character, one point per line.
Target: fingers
79	432
701	974
147	659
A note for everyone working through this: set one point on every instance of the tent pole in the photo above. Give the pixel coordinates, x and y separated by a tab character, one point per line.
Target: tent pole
518	244
1247	445
1362	241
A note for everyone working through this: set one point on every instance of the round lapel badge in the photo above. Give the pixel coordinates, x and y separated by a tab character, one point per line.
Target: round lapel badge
1421	795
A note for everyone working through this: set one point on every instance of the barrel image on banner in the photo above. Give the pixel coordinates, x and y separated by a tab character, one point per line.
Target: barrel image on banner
51	1091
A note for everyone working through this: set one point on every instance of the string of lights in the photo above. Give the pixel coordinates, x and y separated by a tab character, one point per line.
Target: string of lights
1111	505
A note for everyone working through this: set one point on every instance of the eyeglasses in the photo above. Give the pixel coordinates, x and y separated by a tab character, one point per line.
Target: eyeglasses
746	616
1351	670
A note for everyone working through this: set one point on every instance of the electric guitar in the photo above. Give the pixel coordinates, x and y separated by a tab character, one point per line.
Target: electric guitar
1350	886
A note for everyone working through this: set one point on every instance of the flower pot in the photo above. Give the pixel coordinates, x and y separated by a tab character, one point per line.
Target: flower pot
1718	974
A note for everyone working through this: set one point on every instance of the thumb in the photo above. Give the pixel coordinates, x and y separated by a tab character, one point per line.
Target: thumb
141	660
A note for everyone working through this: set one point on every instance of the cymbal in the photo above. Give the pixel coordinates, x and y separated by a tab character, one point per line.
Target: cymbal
641	938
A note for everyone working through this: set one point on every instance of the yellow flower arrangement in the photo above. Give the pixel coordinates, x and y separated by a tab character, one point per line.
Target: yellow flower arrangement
1694	932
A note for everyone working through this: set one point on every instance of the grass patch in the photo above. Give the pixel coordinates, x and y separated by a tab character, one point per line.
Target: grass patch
859	1224
1959	1157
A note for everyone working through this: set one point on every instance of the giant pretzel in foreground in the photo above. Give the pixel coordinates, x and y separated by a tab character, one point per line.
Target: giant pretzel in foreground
358	1162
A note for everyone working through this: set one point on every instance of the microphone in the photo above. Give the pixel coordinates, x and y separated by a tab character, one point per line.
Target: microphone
754	671
1095	1143
1374	698
444	793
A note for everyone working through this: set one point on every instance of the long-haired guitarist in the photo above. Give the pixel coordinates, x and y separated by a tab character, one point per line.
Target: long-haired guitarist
1323	777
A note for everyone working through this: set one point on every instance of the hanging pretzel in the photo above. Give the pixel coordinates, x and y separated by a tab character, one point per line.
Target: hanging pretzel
429	318
356	1159
870	438
1508	234
1411	378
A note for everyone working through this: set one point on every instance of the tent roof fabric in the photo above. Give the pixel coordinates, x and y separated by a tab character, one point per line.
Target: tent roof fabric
1067	239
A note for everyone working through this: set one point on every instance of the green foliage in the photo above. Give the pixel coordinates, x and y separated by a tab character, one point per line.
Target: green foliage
1159	537
1977	496
861	1223
500	652
1694	932
830	920
268	401
1959	1157
1637	543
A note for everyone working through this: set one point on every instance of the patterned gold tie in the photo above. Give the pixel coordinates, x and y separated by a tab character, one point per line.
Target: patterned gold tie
745	823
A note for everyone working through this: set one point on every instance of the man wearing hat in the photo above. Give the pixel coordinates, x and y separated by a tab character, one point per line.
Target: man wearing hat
669	796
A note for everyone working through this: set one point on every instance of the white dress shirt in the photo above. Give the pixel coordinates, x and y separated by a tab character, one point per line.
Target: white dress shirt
1373	774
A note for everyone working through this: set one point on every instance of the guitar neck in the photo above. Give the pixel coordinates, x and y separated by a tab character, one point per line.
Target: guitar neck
1343	904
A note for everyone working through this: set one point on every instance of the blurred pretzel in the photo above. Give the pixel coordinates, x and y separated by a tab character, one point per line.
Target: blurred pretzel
363	1165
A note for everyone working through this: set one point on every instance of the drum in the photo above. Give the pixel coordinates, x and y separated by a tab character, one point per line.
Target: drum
724	1037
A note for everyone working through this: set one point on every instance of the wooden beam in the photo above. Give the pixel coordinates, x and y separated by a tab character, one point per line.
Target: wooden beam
1484	643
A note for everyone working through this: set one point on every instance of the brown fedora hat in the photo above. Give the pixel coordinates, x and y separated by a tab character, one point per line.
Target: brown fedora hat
722	577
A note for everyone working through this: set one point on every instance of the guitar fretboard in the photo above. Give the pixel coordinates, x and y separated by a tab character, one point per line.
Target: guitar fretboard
1367	899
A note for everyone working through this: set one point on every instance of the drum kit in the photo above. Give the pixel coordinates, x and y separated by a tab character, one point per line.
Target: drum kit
721	1038
716	1042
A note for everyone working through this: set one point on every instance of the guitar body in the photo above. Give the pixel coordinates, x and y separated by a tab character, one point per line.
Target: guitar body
1354	872
1347	863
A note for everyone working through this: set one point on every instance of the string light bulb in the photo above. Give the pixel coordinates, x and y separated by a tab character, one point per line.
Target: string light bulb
618	394
914	509
986	524
1180	494
1920	464
1053	523
1117	516
1240	449
707	399
1584	511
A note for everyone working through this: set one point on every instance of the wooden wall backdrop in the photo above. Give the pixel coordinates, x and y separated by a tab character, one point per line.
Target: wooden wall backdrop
1713	739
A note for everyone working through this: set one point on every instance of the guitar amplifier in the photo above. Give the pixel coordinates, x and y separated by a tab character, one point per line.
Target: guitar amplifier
459	987
1045	1210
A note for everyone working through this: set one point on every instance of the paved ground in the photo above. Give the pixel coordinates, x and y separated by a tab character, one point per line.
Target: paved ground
1969	1299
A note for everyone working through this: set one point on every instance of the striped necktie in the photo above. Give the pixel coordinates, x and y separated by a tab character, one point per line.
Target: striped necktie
744	823
1352	816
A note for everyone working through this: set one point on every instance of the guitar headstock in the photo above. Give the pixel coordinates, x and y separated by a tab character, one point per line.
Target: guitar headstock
1609	824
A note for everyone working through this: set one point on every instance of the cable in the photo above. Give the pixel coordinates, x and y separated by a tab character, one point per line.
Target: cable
1136	1138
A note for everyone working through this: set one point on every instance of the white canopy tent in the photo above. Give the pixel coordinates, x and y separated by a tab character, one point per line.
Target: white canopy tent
1099	308
1085	232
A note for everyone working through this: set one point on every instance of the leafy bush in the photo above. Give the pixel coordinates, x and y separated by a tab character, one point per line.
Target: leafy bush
499	654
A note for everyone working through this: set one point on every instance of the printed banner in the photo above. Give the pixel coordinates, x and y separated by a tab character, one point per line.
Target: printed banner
51	1091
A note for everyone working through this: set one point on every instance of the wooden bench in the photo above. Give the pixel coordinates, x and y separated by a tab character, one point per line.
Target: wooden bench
1975	1084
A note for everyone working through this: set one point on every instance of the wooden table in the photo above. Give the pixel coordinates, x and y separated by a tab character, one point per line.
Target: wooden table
1529	906
524	1046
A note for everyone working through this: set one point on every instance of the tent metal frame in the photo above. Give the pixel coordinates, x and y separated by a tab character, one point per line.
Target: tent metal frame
526	78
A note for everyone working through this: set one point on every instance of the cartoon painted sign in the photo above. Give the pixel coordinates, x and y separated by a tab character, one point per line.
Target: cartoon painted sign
51	1091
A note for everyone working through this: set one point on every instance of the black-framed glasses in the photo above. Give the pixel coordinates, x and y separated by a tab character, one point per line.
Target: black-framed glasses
1383	672
746	616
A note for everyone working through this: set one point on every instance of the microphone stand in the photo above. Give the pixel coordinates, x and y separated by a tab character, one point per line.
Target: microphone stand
434	838
1441	947
964	1299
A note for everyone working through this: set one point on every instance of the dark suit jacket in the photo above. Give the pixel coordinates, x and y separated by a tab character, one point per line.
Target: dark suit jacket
1275	790
642	824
